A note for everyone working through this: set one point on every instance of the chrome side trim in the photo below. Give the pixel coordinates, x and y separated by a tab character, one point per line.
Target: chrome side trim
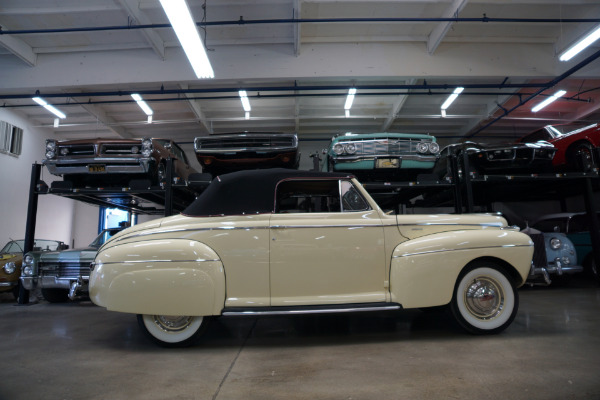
490	224
469	248
157	261
311	311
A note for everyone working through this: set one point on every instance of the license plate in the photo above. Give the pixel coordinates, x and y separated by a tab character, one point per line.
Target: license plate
97	168
387	163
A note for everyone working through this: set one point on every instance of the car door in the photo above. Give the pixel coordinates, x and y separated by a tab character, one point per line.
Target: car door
327	245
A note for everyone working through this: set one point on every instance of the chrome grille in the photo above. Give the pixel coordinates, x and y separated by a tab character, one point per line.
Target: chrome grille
68	270
76	149
118	149
256	143
540	259
384	146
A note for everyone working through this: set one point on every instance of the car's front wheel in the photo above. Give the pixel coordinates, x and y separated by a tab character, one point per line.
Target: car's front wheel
485	299
172	330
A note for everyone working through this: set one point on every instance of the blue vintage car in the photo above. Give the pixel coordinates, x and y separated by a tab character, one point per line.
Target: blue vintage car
576	226
382	155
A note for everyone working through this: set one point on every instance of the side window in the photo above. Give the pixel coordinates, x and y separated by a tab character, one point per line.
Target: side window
352	200
308	196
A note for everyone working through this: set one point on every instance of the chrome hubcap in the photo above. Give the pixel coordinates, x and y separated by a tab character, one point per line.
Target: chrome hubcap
170	323
484	298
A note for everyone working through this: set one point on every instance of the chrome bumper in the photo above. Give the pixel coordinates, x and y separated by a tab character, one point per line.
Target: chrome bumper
8	284
113	165
408	157
53	282
557	269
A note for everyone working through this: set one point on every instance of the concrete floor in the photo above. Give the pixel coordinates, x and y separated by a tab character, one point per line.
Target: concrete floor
80	351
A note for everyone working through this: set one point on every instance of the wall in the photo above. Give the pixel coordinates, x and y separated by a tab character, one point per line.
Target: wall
55	214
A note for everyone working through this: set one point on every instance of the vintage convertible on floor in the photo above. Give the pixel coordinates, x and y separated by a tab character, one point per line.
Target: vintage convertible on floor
280	241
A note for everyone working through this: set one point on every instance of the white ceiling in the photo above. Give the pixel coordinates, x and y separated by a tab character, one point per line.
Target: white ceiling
297	72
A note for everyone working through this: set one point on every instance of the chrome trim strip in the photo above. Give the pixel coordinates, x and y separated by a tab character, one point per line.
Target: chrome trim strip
327	226
155	261
490	224
310	311
469	248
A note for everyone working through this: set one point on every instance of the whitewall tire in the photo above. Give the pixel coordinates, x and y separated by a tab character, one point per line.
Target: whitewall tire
173	331
485	299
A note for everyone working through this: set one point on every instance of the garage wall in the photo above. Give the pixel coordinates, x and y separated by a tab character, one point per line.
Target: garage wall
55	214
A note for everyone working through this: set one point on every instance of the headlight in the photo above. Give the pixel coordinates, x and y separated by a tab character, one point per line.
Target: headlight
51	145
434	147
27	271
50	154
28	260
422	147
10	267
350	148
338	149
555	243
135	149
146	147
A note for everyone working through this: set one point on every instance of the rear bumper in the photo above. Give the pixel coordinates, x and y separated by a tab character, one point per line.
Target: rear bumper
113	165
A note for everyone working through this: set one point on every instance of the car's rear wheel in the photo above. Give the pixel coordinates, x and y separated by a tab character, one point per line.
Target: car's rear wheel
173	330
485	300
55	295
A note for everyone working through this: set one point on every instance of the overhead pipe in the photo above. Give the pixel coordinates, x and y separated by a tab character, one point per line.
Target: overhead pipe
550	84
243	21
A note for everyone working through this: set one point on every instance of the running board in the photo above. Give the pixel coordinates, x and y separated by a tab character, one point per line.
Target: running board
319	309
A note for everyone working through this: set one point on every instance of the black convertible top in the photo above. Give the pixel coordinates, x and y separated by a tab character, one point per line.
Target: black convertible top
247	192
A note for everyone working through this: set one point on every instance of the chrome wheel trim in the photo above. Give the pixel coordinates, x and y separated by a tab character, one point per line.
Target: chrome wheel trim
485	298
172	329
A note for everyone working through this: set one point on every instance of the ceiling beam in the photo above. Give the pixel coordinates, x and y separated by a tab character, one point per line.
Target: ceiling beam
396	107
155	41
18	47
197	110
439	32
104	119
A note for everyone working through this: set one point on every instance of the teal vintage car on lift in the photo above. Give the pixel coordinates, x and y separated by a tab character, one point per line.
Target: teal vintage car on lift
373	156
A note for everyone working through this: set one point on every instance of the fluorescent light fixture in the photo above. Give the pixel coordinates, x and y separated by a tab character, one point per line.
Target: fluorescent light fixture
549	100
247	116
349	99
245	101
452	97
49	107
142	104
443	113
580	45
181	20
347	113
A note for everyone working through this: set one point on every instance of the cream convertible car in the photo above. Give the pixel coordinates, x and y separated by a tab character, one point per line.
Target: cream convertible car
288	242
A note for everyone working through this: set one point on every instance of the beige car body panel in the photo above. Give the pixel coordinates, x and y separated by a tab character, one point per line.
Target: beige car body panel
203	265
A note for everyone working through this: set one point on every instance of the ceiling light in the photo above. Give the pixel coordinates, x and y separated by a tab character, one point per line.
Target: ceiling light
580	45
350	98
244	99
49	107
181	20
347	113
142	104
247	115
549	100
452	97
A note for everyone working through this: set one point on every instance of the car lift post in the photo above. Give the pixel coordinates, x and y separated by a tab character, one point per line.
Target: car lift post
30	224
592	213
169	189
467	179
458	206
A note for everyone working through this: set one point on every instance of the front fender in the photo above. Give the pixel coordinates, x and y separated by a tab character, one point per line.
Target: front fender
160	277
424	270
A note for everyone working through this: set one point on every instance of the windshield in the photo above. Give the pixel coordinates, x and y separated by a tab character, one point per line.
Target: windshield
17	246
104	236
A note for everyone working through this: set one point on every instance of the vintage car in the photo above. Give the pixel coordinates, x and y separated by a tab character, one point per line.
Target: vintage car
232	152
576	227
386	156
576	146
284	242
115	162
554	257
496	158
62	274
11	259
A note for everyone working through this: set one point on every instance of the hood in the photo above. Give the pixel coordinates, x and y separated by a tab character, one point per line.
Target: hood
73	255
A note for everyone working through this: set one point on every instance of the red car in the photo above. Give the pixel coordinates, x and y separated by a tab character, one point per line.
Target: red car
577	147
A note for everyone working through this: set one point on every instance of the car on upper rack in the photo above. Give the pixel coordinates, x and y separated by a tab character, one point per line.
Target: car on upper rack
577	146
287	242
497	158
230	152
62	274
11	260
116	162
382	156
576	227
